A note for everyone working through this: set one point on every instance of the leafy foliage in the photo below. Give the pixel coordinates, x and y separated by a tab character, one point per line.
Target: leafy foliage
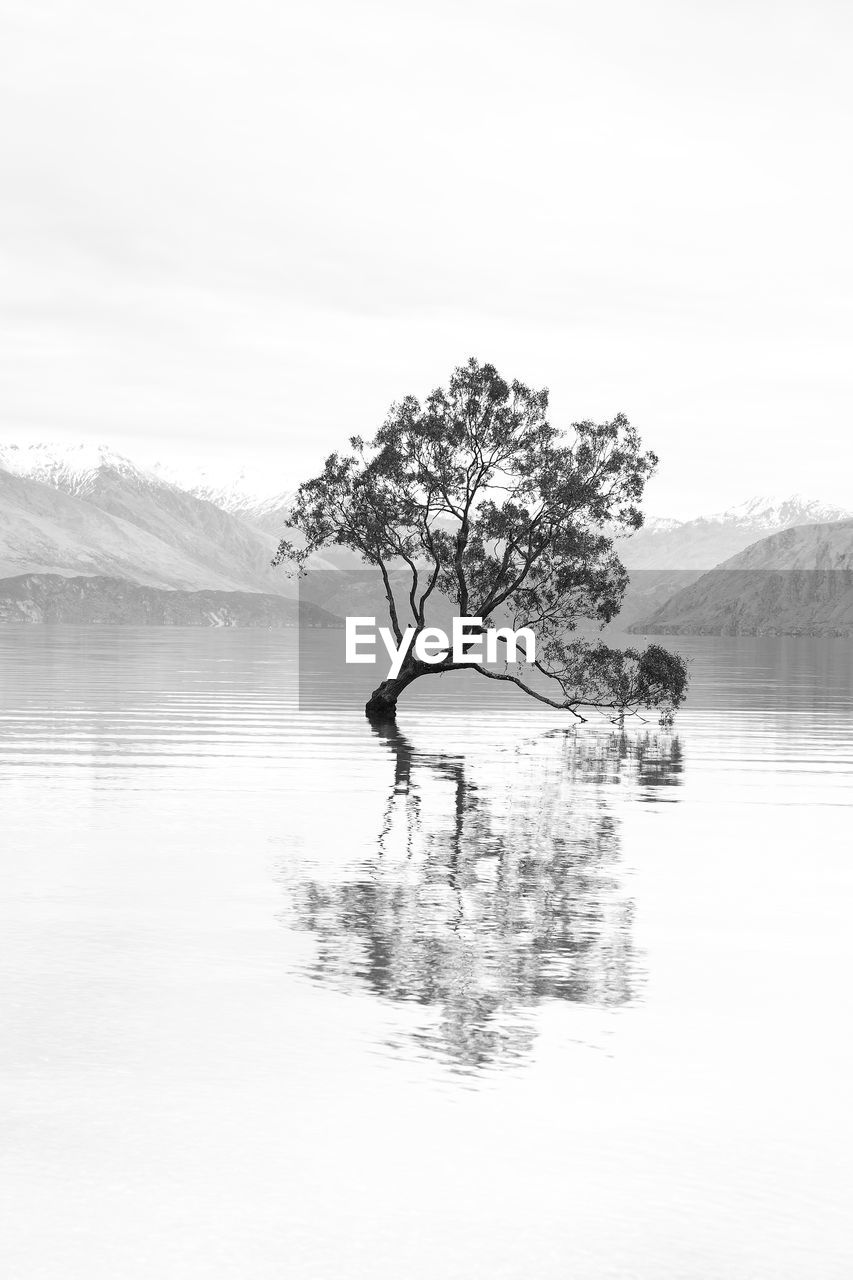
481	499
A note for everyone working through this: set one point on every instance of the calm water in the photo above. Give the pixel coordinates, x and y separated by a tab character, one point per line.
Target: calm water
478	997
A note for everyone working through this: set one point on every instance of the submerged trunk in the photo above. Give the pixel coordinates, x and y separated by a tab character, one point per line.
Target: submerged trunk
382	703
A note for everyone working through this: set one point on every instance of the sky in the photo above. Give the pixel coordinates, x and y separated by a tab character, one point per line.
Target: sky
232	234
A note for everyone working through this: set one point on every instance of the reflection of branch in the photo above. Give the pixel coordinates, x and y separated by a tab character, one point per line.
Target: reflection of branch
499	898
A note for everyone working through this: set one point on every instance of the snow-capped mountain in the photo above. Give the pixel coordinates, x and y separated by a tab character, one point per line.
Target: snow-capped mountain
46	530
69	467
88	509
72	468
246	494
708	540
779	513
661	524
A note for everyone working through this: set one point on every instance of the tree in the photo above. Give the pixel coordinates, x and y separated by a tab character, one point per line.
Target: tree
477	498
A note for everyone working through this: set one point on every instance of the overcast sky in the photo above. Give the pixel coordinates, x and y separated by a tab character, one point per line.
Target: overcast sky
236	232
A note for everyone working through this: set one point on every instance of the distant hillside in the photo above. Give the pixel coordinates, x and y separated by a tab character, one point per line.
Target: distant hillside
52	598
43	530
797	582
225	552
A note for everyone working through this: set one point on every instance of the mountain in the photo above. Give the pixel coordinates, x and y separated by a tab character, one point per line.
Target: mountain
52	598
782	512
64	466
86	510
796	582
709	540
70	466
246	494
157	533
44	530
812	547
267	514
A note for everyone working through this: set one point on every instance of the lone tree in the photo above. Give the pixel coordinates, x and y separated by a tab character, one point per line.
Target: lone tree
477	498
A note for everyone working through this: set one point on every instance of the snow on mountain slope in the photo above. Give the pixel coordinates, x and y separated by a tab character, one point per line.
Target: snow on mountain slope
223	547
246	494
71	467
68	467
661	524
45	530
267	513
708	540
776	513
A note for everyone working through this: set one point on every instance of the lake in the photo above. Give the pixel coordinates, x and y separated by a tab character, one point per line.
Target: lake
480	996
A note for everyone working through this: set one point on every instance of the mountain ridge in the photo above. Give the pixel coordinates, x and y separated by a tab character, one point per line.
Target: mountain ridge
707	541
798	581
181	541
86	509
44	530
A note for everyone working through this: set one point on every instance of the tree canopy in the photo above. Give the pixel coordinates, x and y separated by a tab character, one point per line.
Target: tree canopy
476	497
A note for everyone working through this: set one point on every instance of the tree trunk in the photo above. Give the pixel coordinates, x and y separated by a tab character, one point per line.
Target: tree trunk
382	703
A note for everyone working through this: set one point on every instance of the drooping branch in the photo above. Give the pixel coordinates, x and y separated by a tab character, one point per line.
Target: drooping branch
565	705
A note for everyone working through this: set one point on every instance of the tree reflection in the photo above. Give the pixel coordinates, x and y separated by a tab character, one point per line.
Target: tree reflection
493	888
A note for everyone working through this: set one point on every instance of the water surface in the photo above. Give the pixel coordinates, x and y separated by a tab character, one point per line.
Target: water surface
478	995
